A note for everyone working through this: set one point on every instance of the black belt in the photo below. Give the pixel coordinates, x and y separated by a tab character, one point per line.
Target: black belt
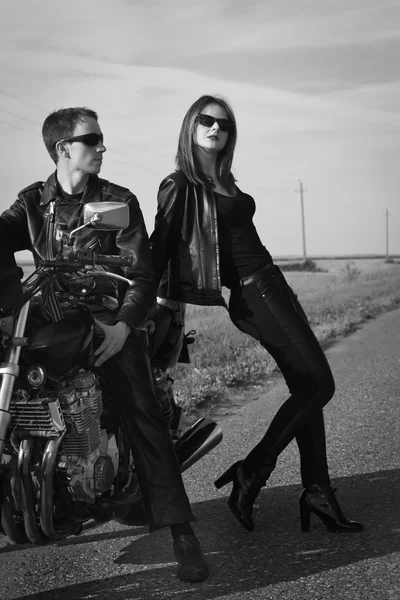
268	270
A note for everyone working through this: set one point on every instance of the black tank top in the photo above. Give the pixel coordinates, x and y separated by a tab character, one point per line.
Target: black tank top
240	249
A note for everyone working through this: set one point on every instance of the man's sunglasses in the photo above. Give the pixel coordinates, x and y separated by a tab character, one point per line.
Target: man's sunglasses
208	121
89	139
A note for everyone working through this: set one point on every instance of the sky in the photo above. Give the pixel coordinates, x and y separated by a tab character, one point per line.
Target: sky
315	87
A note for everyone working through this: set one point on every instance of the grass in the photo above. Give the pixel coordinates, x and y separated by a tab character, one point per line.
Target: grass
337	302
304	265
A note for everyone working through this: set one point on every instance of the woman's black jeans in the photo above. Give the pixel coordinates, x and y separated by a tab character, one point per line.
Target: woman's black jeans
270	312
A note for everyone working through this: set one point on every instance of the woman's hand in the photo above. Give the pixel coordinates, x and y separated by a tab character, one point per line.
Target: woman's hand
114	340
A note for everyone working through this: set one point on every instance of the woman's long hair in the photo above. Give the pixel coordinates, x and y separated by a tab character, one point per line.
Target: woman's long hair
185	157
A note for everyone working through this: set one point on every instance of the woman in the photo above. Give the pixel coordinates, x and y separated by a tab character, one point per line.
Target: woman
204	233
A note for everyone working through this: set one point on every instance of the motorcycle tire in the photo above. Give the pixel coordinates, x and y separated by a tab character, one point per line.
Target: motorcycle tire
13	530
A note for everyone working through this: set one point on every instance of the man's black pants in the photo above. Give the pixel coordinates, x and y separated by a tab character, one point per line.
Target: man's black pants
129	377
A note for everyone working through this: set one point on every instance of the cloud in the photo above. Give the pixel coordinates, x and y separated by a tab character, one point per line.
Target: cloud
308	46
307	69
383	97
314	87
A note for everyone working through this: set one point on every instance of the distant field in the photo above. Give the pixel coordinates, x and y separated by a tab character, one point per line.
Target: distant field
338	265
333	265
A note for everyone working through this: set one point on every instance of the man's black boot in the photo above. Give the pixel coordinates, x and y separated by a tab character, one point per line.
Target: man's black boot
192	566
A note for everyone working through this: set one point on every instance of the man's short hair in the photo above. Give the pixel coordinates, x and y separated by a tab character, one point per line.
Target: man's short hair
61	123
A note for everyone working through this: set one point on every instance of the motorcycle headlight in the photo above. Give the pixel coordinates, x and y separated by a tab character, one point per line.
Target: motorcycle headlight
36	376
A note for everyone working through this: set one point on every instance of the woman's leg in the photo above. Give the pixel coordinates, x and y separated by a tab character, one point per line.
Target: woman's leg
270	312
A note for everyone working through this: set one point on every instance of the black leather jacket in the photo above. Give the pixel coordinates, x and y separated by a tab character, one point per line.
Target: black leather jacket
185	240
30	223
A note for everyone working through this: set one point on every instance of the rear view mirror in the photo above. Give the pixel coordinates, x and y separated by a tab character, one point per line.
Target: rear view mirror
106	215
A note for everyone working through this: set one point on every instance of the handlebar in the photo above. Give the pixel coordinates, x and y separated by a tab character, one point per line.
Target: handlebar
81	258
74	262
120	261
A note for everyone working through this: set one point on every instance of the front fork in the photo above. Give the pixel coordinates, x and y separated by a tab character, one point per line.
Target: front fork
9	370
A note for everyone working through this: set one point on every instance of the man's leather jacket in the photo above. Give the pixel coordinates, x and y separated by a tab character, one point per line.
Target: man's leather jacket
30	224
185	240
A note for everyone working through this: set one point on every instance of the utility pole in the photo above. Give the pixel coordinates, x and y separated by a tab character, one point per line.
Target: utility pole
387	234
303	226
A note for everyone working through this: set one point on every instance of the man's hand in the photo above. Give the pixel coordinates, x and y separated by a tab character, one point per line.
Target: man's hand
114	340
150	326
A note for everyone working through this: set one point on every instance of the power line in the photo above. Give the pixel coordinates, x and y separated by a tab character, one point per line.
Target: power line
21	100
9	112
148	165
16	127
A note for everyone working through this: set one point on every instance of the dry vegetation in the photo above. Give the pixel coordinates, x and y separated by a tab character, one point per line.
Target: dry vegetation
336	301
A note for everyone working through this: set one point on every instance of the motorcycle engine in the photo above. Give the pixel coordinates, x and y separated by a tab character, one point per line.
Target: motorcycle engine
88	455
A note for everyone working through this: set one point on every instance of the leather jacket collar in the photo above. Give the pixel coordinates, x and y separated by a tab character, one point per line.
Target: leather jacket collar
51	190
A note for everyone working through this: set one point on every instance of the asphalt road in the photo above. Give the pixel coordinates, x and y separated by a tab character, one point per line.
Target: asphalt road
276	561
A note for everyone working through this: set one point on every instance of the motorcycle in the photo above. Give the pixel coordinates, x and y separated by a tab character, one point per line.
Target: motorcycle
64	458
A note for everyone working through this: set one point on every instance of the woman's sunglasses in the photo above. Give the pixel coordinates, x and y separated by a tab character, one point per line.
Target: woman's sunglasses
89	139
208	121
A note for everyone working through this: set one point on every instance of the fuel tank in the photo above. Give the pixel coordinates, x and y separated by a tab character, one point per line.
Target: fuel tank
62	345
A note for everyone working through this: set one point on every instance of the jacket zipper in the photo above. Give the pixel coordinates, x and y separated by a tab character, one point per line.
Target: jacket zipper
214	209
50	230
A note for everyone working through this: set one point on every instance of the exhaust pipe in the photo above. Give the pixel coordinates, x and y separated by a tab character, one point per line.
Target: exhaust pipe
197	441
34	533
47	494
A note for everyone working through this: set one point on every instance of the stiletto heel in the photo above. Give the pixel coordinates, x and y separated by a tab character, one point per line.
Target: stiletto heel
226	477
305	514
245	490
321	500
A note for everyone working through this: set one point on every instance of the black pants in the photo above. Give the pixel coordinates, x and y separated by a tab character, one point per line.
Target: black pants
129	376
270	312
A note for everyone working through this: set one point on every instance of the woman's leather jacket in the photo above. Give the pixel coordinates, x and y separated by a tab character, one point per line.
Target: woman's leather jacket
185	242
30	224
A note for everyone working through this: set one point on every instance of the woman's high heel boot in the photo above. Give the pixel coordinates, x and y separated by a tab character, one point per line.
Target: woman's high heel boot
246	488
321	500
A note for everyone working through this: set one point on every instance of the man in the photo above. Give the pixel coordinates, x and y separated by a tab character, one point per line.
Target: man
74	141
